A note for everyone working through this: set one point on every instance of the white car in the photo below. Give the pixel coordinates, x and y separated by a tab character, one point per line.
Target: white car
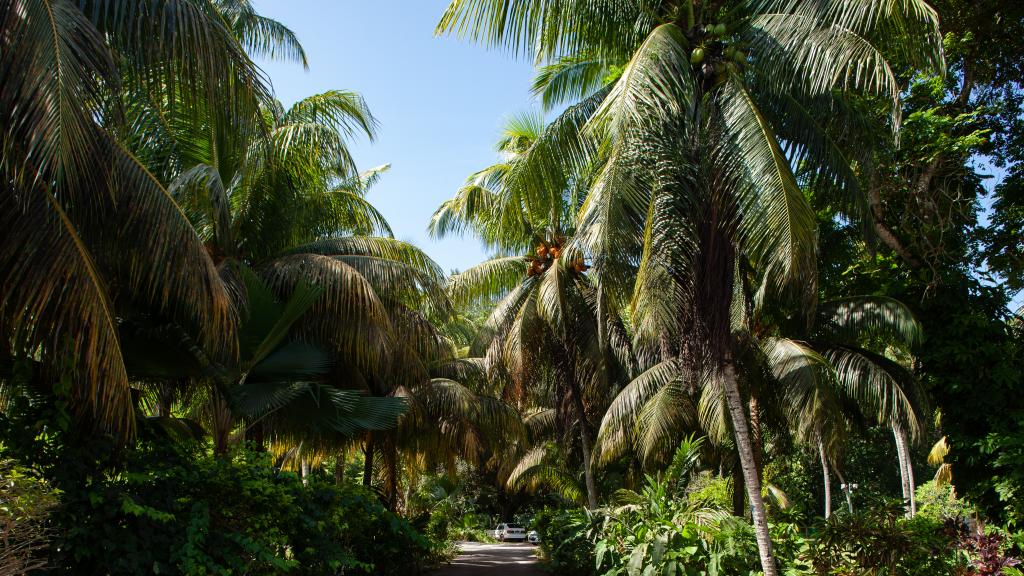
506	532
533	537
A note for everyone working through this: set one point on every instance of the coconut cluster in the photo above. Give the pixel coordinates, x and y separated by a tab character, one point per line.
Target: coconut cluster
547	253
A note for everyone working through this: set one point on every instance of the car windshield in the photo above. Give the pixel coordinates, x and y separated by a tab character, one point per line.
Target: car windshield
515	527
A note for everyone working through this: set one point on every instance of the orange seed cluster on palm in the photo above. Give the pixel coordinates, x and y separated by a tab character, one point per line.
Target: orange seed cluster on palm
546	253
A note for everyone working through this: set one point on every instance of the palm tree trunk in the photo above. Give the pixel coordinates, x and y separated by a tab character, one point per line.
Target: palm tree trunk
223	422
906	469
390	453
339	469
827	479
588	471
368	464
738	415
585	440
755	434
585	433
910	479
738	499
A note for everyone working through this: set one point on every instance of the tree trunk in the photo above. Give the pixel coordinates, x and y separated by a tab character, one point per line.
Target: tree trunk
165	400
223	422
304	464
339	469
755	434
826	478
390	454
588	471
738	500
846	491
906	470
585	440
368	464
585	433
738	415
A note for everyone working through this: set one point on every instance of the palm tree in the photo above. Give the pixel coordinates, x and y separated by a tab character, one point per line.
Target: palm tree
87	226
551	324
699	134
839	364
278	383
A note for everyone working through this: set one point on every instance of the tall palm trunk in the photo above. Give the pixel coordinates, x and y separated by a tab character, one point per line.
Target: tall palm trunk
585	441
755	434
588	471
906	469
390	455
738	415
739	501
339	469
826	478
714	276
223	422
368	463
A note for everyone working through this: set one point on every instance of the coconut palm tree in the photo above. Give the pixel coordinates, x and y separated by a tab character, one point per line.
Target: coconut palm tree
816	378
717	100
87	226
839	364
278	383
551	323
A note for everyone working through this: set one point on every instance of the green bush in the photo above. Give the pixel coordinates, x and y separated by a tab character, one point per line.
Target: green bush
941	503
25	505
172	512
166	505
879	540
237	515
565	542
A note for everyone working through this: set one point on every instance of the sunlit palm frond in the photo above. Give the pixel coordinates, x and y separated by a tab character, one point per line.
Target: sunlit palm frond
884	389
569	79
852	320
261	36
490	280
663	421
776	221
546	28
542	467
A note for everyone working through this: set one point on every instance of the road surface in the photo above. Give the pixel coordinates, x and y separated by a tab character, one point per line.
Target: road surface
493	560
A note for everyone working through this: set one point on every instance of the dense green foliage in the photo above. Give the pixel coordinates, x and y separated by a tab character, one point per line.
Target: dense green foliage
750	310
169	506
659	534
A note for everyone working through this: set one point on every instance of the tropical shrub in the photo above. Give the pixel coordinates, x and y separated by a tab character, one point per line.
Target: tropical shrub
879	540
565	541
650	528
209	515
25	505
170	506
940	502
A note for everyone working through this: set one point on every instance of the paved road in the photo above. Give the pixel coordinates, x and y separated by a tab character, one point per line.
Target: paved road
493	560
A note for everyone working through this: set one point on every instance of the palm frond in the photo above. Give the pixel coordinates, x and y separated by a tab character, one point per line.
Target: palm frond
886	390
776	221
488	281
569	79
262	36
852	320
540	467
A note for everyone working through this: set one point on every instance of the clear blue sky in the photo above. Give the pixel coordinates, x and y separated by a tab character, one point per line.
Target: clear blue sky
440	101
